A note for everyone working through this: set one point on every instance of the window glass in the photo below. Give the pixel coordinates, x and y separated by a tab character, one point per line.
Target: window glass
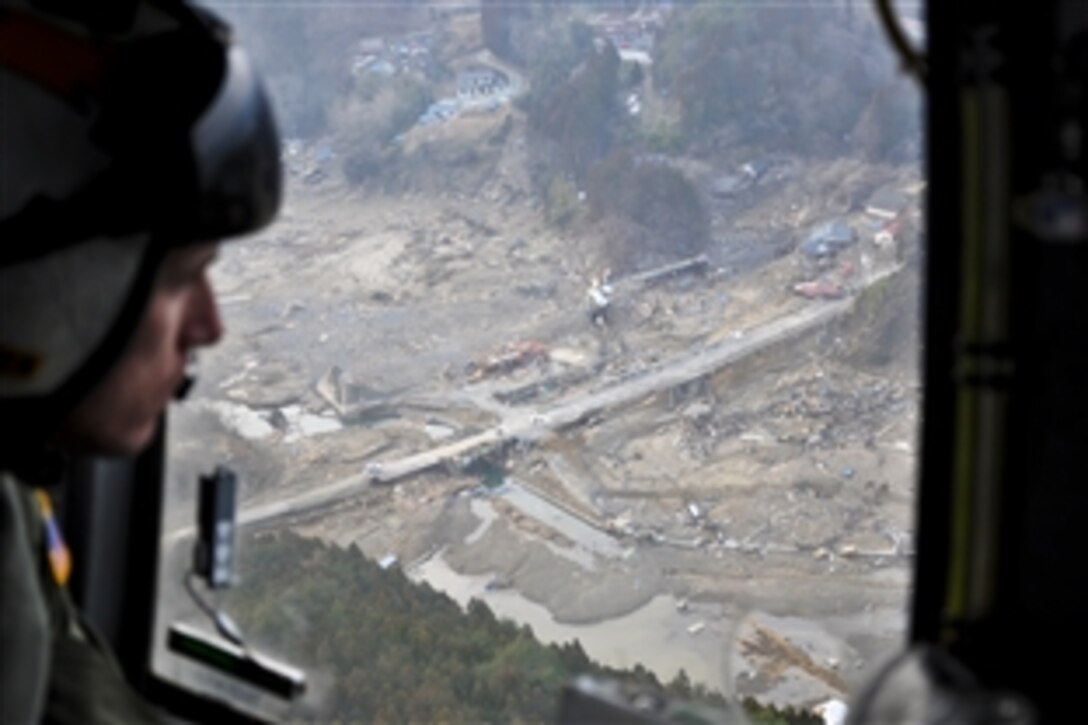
586	325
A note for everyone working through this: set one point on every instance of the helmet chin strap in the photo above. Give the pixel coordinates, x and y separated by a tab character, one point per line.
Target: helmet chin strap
188	381
184	387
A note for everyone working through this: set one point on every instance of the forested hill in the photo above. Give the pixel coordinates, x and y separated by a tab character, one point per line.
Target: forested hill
401	652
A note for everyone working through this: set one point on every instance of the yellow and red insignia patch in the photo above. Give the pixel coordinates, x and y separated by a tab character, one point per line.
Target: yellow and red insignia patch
60	559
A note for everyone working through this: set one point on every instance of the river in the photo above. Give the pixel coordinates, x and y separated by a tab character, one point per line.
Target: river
656	635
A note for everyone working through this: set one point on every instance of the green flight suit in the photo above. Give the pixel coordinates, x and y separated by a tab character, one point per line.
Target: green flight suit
53	667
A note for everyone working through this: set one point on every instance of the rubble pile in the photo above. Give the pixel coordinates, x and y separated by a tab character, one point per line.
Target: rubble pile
829	409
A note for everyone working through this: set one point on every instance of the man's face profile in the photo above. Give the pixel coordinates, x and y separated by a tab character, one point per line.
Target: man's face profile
120	414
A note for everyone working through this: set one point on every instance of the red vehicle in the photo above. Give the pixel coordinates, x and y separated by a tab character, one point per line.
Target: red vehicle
820	289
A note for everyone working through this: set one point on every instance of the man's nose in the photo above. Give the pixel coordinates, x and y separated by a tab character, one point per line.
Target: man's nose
204	325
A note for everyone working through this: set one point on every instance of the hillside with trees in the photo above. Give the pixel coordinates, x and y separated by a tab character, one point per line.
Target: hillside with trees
401	652
813	80
653	213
